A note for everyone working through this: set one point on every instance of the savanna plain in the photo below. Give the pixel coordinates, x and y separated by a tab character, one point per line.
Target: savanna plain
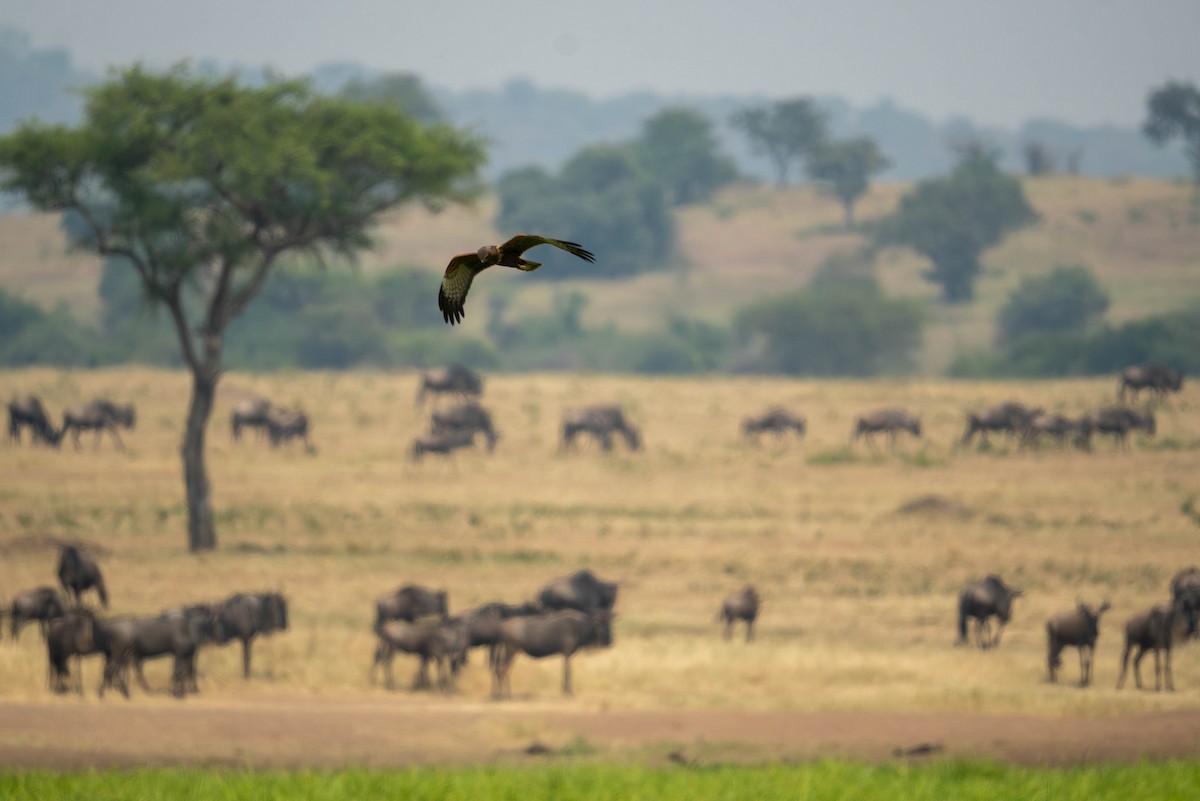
858	553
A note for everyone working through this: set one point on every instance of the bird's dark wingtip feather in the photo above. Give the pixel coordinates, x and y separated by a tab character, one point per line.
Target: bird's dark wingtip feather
577	249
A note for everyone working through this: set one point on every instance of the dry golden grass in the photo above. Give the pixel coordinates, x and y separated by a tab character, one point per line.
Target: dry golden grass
859	598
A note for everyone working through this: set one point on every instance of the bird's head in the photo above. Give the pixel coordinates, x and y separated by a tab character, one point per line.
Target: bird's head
488	254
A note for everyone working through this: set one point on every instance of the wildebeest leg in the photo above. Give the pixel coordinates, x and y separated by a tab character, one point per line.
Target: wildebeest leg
112	429
567	674
1125	667
246	657
141	677
1170	682
999	631
1137	666
1052	660
500	684
728	627
749	629
1085	666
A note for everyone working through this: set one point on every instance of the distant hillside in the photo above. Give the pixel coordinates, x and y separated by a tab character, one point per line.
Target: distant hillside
1140	237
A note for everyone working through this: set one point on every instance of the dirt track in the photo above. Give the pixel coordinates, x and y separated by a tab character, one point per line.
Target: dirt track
328	733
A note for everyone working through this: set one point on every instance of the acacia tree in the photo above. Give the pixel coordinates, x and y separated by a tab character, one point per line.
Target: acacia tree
678	148
785	132
201	186
1173	110
843	169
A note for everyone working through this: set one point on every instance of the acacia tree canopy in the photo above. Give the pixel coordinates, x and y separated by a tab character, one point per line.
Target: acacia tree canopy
785	132
843	169
201	186
1173	110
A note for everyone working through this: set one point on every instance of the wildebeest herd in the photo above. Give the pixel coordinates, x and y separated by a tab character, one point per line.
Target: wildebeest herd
28	413
73	630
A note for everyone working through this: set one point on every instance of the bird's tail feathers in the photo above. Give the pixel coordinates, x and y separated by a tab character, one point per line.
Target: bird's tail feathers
529	266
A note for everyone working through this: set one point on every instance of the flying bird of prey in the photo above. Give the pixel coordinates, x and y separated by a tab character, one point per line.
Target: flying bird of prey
465	266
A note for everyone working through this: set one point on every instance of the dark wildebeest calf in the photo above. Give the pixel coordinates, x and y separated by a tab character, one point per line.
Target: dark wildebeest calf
563	632
1078	628
246	615
1057	426
465	418
99	416
581	590
1012	418
600	422
1156	630
284	425
42	604
78	572
1157	378
455	380
74	635
742	605
890	421
250	413
436	641
1117	421
777	420
27	411
442	444
982	601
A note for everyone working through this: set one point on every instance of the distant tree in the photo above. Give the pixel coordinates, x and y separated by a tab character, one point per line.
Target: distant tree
1065	299
401	91
953	220
843	170
1173	111
1038	158
785	132
678	148
202	185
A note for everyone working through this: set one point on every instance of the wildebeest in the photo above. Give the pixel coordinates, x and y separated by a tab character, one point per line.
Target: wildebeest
434	641
1049	425
1157	378
73	635
1115	420
742	605
482	625
42	604
411	602
1078	628
1185	593
600	422
78	572
27	411
777	420
100	416
284	425
442	444
890	421
581	590
454	380
1156	630
981	601
1011	417
250	413
563	632
467	417
132	640
246	615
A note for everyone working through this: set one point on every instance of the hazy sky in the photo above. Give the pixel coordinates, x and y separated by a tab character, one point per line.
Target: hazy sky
1002	61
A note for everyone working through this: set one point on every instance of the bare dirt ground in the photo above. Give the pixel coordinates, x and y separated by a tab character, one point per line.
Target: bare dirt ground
320	733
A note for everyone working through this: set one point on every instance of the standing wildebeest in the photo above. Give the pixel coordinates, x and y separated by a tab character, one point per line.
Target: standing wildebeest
250	413
76	634
1185	593
580	590
246	615
983	600
411	602
482	625
563	632
283	425
777	420
455	380
1115	420
1049	425
434	641
444	444
78	572
1156	630
132	640
891	421
1078	628
42	604
467	417
1157	378
99	416
601	422
1012	418
27	411
742	605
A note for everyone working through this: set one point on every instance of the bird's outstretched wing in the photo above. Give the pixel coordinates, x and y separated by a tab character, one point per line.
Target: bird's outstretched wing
523	242
456	281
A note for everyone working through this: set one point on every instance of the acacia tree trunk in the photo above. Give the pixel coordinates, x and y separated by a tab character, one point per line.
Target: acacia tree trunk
202	534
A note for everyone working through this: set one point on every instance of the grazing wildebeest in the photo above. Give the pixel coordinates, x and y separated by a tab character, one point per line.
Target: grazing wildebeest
73	635
467	417
100	416
27	411
42	604
1049	425
410	603
981	601
742	605
563	632
1156	630
1078	628
78	572
454	380
437	641
601	422
890	421
442	444
1012	418
1157	378
250	413
284	425
777	420
246	615
1115	420
581	591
